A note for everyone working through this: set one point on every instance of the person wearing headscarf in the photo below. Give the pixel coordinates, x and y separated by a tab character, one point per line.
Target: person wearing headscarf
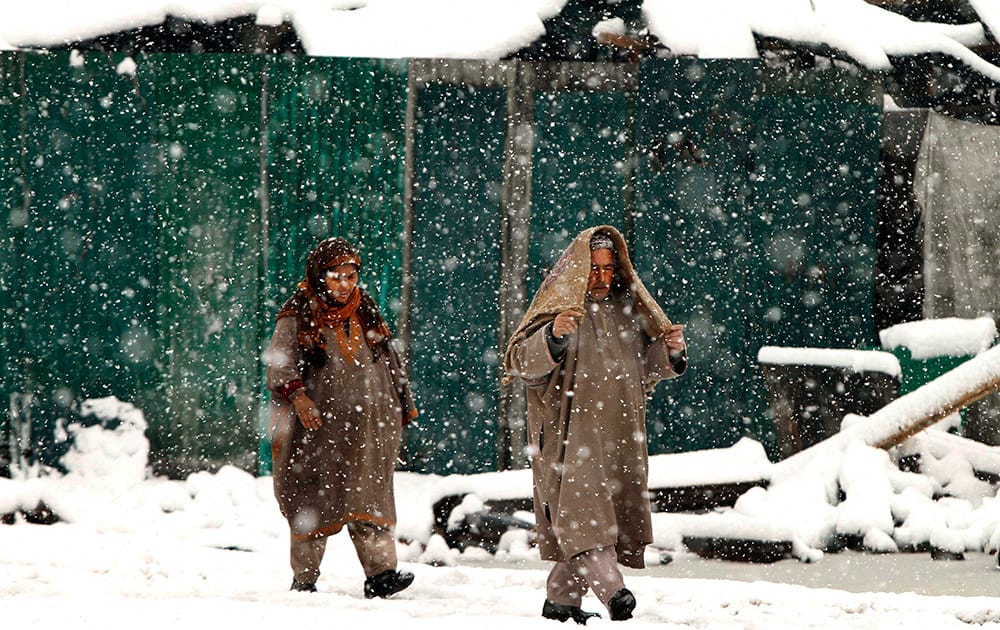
339	400
590	349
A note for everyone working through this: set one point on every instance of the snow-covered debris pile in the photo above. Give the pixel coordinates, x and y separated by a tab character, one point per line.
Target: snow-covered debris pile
856	495
108	453
417	496
115	449
847	488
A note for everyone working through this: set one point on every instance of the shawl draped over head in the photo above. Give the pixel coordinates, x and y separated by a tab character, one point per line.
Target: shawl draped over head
565	288
314	307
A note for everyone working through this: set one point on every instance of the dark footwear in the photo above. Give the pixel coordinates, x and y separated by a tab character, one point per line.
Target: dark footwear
307	587
562	612
621	605
387	583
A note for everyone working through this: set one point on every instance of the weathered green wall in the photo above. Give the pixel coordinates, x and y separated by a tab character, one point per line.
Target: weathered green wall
155	222
170	213
459	143
755	226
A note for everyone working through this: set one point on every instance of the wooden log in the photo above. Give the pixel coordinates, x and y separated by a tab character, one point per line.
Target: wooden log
925	420
637	46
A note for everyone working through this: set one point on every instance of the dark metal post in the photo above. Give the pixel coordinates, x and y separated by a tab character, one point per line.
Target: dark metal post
516	227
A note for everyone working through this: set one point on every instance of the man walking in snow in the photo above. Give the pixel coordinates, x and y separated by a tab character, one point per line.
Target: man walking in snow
590	349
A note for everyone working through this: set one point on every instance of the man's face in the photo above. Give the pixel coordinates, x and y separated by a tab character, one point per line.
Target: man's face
602	271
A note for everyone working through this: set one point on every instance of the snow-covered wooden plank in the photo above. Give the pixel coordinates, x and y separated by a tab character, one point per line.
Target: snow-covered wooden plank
857	360
744	461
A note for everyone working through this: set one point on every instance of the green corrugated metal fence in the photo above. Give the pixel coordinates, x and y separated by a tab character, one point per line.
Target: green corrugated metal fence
756	223
155	220
170	211
695	243
456	257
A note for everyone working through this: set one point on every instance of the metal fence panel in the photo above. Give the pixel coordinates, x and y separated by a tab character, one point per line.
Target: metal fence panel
756	216
207	122
578	172
694	239
140	267
456	271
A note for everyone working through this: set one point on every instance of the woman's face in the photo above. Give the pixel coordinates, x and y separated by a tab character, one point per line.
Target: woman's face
340	282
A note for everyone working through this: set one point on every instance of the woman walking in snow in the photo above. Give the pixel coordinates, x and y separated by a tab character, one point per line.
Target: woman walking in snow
339	399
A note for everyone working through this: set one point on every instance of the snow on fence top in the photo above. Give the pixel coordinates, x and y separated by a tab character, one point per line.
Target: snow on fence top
742	462
492	29
948	337
857	360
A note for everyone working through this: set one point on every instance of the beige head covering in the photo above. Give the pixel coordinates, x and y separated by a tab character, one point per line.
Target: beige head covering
565	288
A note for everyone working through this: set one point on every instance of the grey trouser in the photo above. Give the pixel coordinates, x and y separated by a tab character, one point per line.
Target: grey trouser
596	568
375	546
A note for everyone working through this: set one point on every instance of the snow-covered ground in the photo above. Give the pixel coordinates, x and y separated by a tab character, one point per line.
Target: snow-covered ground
211	549
74	576
219	556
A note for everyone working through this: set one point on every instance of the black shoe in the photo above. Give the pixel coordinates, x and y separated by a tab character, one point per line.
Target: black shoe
621	605
387	583
562	612
307	587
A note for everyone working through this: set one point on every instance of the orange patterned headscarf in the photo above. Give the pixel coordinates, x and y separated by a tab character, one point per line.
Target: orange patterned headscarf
315	308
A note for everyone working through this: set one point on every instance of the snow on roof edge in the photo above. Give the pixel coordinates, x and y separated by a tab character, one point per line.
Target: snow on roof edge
492	29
